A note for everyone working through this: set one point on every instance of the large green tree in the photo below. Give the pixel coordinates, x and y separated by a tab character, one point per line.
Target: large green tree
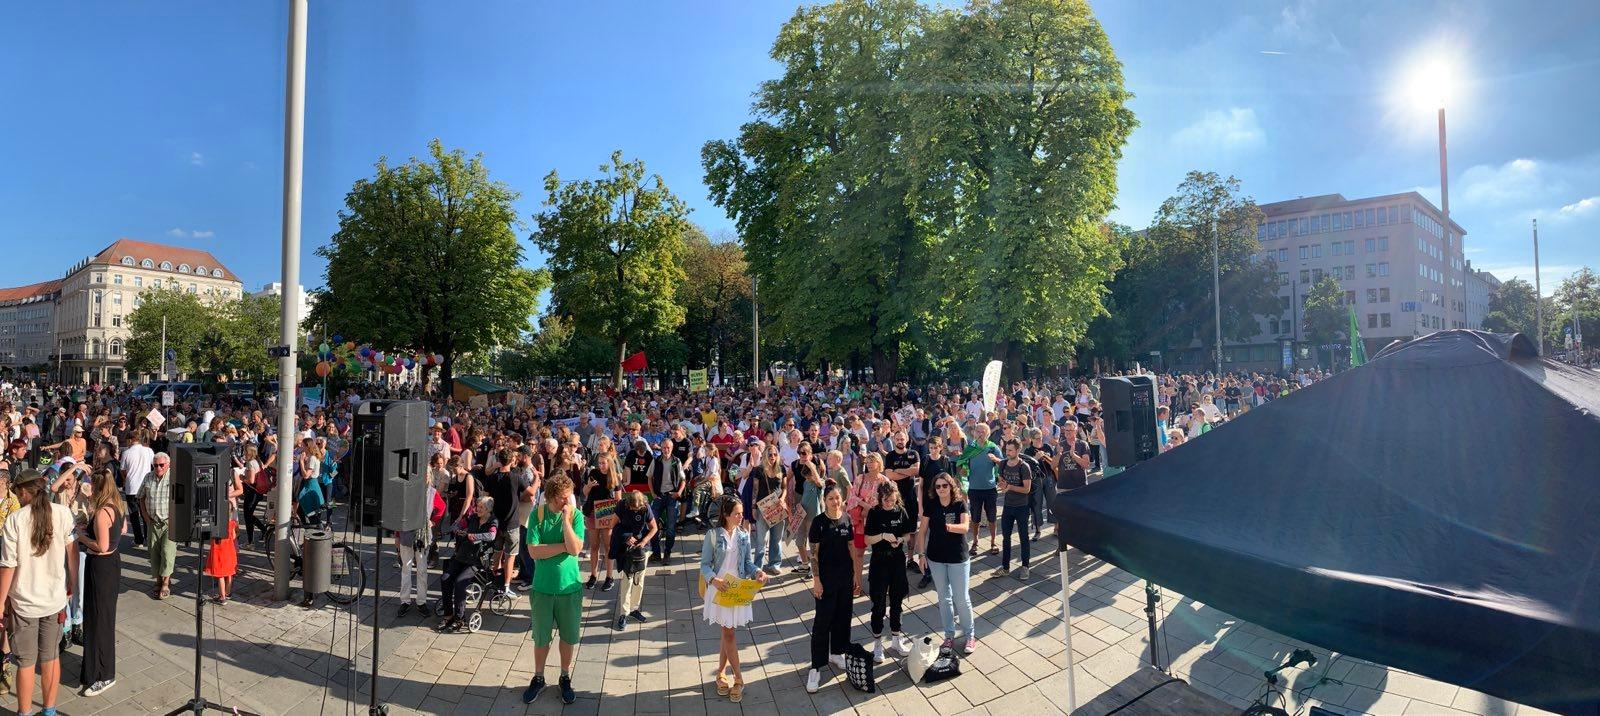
217	338
820	190
615	248
715	296
427	259
1327	317
1164	298
1577	296
1513	309
1019	117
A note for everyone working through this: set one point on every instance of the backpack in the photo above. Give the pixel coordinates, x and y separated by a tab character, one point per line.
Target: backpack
266	479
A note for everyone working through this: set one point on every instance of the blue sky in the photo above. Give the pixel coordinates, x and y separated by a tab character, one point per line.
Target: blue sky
164	121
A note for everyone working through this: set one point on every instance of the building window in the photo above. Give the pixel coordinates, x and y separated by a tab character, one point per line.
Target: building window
1383	243
191	288
1305	276
116	346
166	265
1383	320
138	281
1372	270
183	268
1338	222
1326	223
147	263
216	273
127	261
1369	217
202	271
1350	247
1359	222
116	298
1305	252
1349	298
116	321
1383	295
1338	272
1283	256
116	279
1372	320
1372	295
1316	275
1337	248
99	278
1383	268
1316	251
1350	271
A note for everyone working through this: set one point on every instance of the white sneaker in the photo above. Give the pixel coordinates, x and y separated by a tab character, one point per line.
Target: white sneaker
813	681
877	650
902	644
838	661
99	687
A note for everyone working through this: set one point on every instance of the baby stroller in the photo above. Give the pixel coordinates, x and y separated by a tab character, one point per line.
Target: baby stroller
485	586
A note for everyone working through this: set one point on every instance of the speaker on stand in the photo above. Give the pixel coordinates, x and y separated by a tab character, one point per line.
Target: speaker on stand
388	449
1129	404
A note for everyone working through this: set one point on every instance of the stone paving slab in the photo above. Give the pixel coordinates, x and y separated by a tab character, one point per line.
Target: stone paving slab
274	658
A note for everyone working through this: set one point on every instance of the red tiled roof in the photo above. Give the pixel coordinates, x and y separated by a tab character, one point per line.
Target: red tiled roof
31	291
141	250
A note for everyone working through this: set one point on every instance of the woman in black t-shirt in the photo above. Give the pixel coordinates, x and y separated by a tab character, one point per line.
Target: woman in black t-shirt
602	483
944	529
834	581
887	527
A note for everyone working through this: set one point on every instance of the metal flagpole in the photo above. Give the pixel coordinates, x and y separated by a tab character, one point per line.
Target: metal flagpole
1444	201
1066	626
294	122
1538	289
1216	291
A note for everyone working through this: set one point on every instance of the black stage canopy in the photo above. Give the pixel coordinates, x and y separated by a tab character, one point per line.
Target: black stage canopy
1436	510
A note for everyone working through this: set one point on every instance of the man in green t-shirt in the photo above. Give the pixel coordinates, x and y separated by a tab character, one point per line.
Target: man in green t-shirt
554	536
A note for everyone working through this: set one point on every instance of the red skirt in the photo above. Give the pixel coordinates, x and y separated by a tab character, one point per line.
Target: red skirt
222	560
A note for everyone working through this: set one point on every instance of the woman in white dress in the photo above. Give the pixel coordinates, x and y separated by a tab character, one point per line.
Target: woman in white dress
724	553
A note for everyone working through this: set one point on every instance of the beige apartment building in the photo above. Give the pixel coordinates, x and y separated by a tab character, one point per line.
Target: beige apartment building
1400	270
87	309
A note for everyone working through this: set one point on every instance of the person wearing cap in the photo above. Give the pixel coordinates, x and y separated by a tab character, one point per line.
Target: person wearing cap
74	443
155	498
38	559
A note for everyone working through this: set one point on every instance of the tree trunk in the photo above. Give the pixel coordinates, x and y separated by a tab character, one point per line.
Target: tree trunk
885	363
616	371
447	374
1009	353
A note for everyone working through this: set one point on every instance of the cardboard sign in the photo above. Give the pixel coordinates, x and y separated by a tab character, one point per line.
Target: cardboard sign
605	514
739	592
772	508
697	380
478	401
156	419
168	398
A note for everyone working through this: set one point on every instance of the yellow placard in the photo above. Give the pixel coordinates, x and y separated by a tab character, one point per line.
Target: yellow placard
739	592
697	380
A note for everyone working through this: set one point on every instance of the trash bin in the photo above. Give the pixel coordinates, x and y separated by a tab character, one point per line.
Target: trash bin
318	561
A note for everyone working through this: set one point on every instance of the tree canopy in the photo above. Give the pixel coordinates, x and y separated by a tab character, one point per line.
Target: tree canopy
427	259
615	248
216	338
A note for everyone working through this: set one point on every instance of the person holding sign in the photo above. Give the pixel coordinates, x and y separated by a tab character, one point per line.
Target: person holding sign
601	488
725	554
835	580
635	525
889	526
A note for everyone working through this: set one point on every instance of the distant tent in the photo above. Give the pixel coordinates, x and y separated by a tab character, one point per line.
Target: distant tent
468	387
1436	510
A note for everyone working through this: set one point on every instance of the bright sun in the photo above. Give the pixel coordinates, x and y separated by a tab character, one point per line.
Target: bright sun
1432	81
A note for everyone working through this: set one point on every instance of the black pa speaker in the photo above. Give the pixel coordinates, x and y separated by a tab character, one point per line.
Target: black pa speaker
1129	407
387	454
200	476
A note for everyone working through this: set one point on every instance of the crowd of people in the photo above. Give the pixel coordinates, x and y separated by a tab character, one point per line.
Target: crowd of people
572	493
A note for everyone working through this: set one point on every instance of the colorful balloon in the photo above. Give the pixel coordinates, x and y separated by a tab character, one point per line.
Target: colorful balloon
323	369
350	345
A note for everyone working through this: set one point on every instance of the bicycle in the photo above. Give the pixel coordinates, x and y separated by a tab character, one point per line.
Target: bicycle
347	577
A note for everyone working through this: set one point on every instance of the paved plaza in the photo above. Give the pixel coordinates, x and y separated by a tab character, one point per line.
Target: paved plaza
282	659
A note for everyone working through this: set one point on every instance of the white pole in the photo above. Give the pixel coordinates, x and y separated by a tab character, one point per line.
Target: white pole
294	121
1538	291
1066	626
163	371
1216	291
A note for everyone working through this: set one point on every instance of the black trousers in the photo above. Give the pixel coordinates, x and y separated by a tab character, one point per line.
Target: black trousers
135	520
251	521
453	587
831	632
101	582
888	587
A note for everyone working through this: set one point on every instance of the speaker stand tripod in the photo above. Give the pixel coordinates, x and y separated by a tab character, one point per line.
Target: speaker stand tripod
199	705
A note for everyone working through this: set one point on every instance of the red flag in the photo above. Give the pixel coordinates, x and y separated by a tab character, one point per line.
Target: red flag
634	363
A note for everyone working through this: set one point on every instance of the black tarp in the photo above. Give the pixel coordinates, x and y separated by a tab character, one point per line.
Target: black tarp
1436	510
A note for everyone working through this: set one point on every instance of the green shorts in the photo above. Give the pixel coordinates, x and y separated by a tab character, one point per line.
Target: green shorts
563	611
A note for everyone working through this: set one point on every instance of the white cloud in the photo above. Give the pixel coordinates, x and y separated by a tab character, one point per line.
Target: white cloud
1230	130
1515	181
177	233
197	159
1581	207
195	234
206	234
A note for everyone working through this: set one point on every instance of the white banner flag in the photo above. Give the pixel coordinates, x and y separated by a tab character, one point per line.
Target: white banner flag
991	384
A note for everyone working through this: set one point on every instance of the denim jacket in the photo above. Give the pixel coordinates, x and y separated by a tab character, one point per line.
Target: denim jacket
715	548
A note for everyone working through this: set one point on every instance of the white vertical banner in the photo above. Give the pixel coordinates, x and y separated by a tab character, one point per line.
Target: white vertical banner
991	384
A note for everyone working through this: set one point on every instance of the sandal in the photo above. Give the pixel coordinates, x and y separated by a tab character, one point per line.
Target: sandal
164	593
736	694
723	685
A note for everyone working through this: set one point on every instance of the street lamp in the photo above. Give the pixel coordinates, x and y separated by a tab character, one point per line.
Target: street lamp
1431	84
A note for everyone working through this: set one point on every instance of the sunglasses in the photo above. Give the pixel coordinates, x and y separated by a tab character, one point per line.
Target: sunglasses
942	486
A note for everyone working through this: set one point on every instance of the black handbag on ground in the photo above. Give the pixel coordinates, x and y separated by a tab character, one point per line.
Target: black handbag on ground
947	666
858	669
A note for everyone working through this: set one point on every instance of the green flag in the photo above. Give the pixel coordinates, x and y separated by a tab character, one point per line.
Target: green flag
1358	350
